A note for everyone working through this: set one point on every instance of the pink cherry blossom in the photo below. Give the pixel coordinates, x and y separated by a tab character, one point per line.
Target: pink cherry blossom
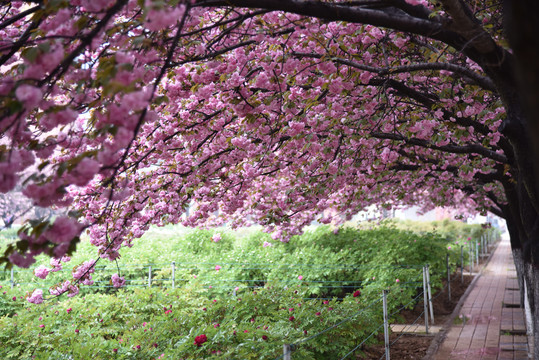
117	281
216	237
56	265
41	272
64	229
29	95
36	297
269	118
23	261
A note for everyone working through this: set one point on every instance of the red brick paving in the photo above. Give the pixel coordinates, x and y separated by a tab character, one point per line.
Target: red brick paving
494	329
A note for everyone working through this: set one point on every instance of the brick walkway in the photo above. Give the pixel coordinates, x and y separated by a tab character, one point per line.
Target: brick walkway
491	324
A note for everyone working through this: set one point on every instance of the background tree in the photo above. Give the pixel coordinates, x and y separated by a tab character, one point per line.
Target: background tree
13	205
262	110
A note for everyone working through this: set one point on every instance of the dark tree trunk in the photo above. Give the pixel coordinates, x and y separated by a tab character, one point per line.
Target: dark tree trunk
522	216
521	18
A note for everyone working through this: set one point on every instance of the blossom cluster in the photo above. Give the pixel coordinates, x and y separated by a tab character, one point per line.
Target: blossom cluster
269	118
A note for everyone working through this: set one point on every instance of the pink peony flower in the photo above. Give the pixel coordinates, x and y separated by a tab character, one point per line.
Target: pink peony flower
200	339
217	267
216	237
300	277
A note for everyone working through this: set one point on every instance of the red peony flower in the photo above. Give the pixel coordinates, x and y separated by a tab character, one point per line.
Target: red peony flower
200	339
291	318
357	293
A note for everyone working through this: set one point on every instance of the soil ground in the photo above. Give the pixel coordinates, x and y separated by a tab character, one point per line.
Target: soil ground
415	346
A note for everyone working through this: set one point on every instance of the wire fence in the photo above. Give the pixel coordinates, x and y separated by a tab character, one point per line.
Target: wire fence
164	275
170	275
479	249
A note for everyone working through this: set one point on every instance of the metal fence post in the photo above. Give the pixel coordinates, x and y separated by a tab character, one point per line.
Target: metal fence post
425	301
287	352
461	263
173	274
149	276
448	277
12	279
471	258
430	296
477	254
386	323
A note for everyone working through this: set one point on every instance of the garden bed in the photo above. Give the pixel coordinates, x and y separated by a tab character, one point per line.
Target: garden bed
415	346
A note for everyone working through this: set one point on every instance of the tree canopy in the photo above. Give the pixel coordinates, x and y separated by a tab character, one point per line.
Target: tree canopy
127	113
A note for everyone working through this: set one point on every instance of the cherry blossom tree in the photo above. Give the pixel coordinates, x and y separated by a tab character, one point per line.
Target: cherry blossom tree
278	112
15	208
13	205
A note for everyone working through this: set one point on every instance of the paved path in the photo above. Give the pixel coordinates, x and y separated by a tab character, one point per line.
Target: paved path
491	324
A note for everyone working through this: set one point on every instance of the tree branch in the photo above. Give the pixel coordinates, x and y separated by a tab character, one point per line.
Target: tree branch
483	81
454	149
19	16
